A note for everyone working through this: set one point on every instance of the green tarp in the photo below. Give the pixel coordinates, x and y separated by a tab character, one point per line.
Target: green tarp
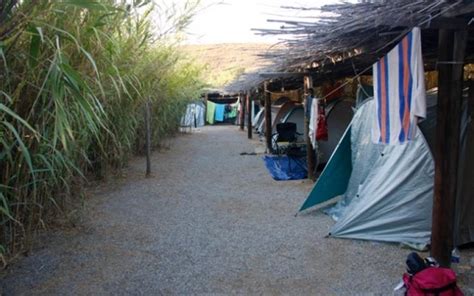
335	176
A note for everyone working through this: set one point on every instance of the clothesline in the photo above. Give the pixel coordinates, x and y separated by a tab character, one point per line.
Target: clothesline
347	82
220	112
273	93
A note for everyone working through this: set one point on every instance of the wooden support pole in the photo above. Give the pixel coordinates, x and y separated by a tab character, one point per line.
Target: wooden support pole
242	112
471	98
206	97
249	116
452	45
148	138
268	118
310	154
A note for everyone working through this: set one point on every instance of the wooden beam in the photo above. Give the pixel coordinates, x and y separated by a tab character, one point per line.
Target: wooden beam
242	112
471	98
449	23
268	118
249	116
270	75
310	155
463	9
148	138
206	97
452	44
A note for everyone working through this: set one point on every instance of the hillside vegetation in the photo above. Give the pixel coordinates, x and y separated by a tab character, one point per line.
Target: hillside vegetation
223	63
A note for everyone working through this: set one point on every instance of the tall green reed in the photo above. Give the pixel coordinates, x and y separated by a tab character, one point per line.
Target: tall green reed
74	76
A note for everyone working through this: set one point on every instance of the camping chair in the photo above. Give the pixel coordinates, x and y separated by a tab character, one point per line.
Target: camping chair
285	142
285	135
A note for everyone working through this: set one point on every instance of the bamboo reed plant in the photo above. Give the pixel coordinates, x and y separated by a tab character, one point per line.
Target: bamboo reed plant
74	76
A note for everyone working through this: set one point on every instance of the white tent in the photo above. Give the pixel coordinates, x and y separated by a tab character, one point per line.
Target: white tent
389	195
387	190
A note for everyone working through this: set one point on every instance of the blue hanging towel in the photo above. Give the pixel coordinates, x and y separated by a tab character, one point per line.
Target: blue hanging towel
220	108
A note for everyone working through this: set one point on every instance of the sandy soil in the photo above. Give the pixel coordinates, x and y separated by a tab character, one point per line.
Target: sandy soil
210	221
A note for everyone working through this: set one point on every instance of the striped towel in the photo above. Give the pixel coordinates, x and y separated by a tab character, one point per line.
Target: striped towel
399	91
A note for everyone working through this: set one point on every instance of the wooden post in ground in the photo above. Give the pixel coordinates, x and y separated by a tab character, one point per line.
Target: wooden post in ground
206	97
268	118
471	98
310	155
148	137
452	45
242	111
249	116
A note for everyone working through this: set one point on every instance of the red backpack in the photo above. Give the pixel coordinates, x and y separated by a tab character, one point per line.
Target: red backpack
436	281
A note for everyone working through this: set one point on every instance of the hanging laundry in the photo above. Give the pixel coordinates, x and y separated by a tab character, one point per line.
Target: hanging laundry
226	111
220	109
233	111
313	122
322	125
399	91
210	113
238	104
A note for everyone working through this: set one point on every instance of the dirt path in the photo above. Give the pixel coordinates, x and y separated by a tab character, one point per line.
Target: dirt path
209	221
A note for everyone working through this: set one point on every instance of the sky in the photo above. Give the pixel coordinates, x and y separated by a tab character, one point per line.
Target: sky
232	20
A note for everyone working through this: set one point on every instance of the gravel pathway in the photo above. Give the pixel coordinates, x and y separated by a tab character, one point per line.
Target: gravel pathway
210	221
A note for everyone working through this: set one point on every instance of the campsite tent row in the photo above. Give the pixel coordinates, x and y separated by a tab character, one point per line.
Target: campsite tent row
283	110
339	114
387	190
347	46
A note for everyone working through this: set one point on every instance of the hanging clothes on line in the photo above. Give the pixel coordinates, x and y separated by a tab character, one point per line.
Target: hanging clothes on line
322	125
210	112
399	91
313	122
233	110
220	110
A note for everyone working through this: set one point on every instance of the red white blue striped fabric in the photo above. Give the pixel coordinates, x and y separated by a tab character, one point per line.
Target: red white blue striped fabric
399	91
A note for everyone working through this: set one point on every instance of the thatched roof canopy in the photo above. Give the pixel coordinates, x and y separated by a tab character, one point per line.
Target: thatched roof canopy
346	39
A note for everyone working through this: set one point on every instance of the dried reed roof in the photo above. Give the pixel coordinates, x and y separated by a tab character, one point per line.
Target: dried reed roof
346	39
